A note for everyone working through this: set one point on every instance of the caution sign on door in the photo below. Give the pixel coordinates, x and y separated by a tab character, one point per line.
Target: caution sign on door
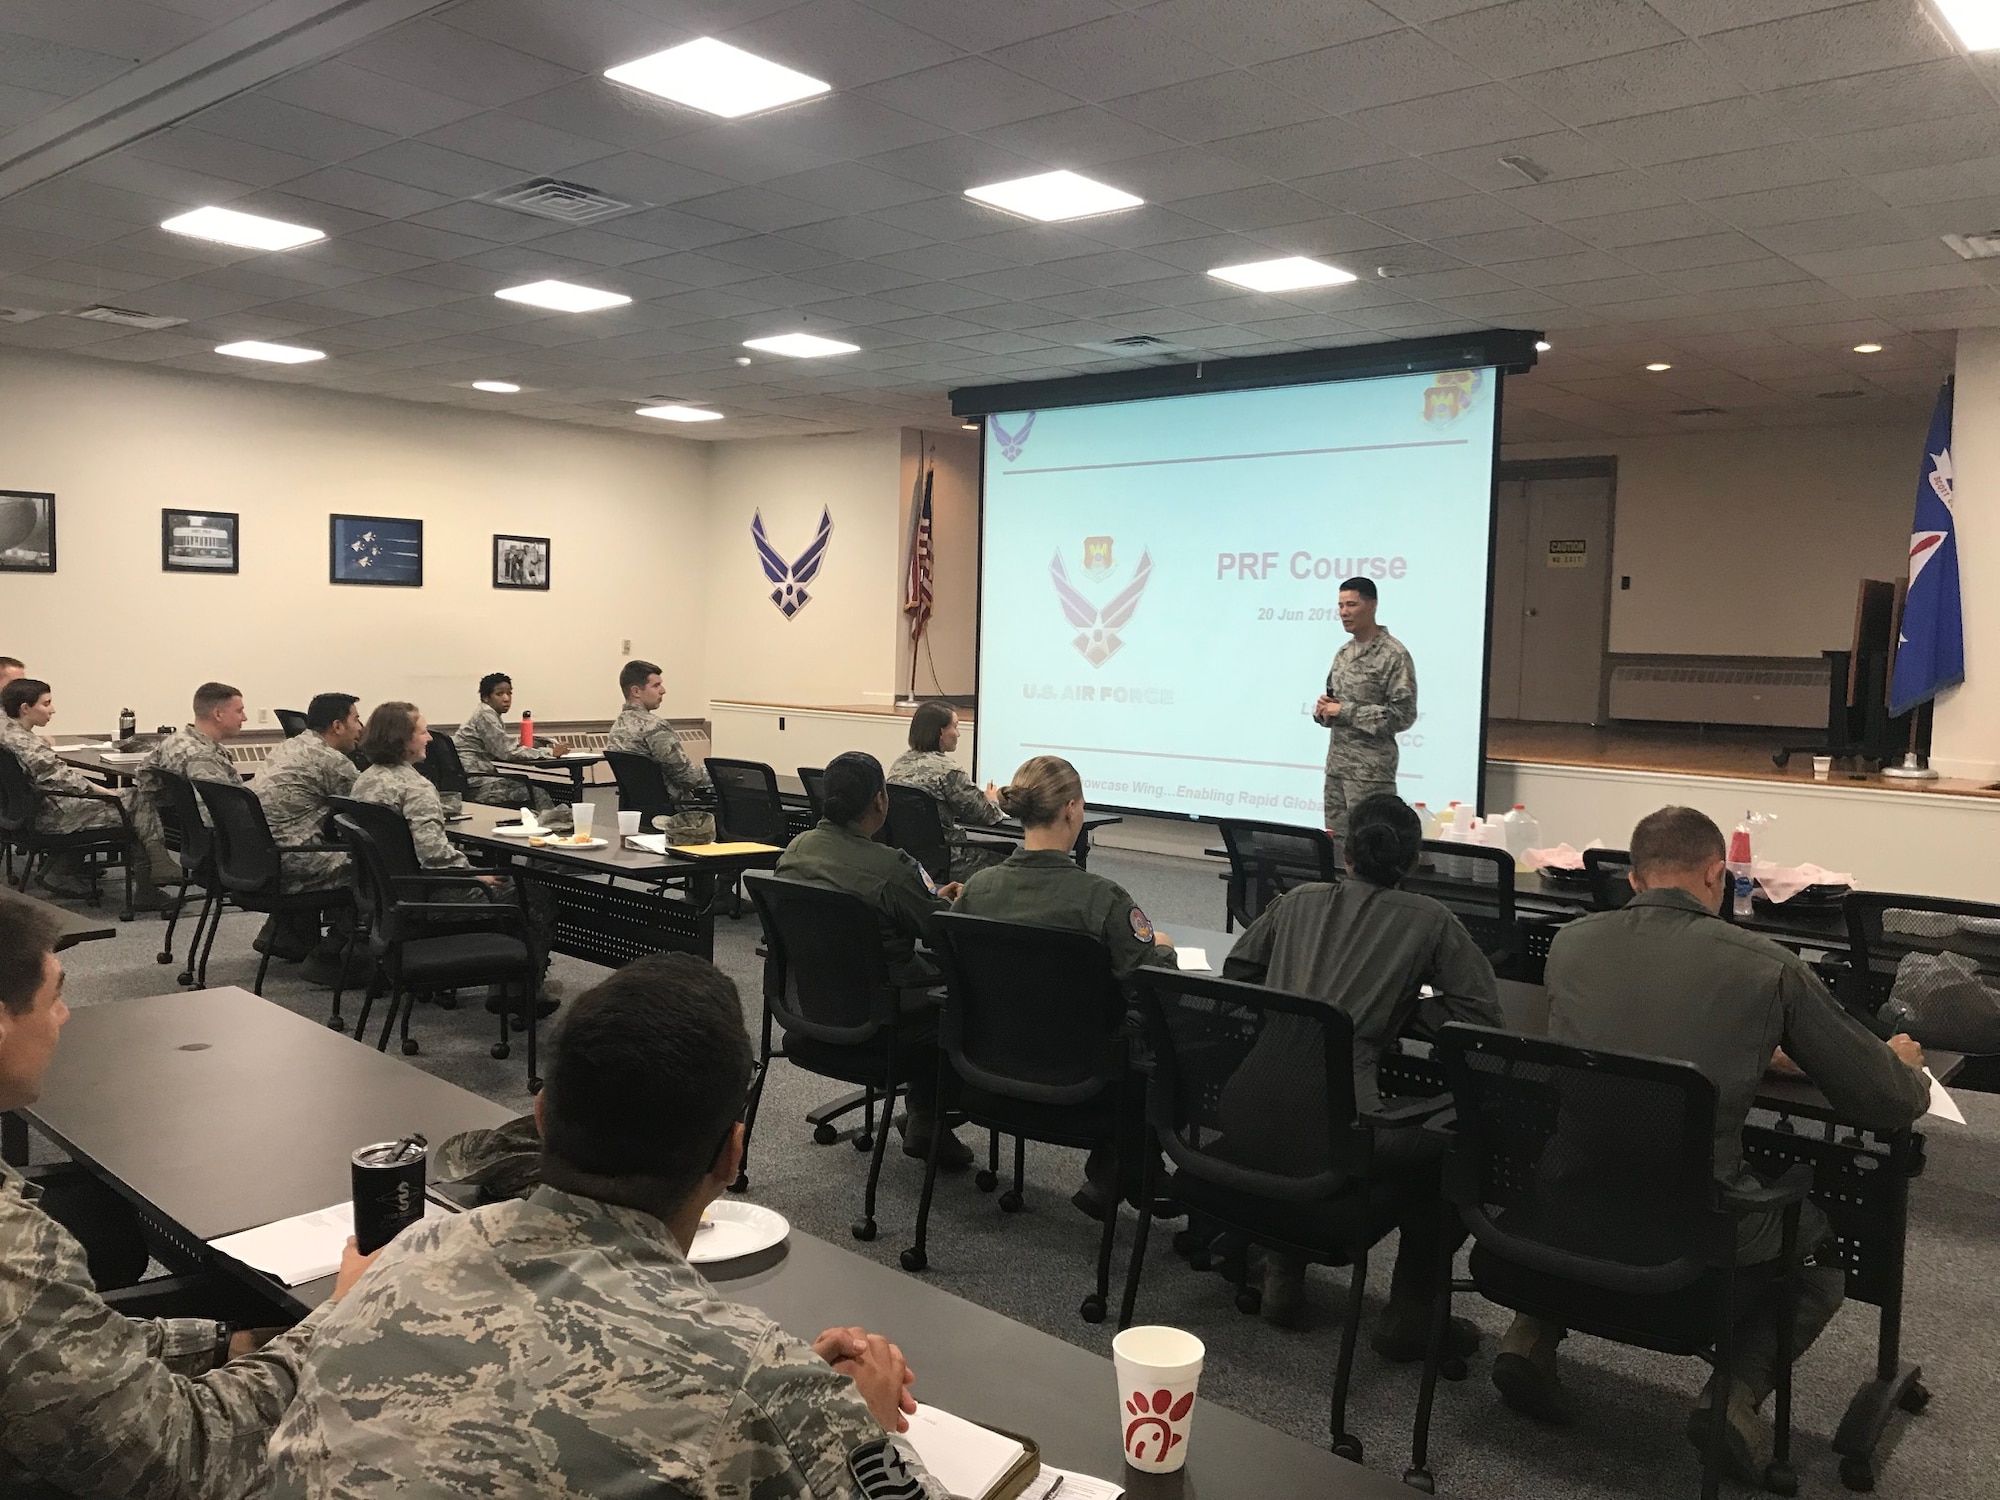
1567	554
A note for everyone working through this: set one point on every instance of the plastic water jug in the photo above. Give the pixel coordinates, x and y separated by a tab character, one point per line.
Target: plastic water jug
1523	833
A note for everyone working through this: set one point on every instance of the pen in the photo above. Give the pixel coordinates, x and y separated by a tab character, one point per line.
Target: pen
1051	1495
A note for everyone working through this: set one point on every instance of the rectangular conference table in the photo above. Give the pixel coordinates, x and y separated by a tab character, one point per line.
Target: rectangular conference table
799	815
570	768
248	1113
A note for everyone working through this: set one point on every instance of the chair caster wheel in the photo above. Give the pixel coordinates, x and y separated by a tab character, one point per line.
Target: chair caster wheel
985	1181
1780	1480
165	957
1452	1369
409	1046
184	978
1348	1447
1915	1398
741	1184
336	1023
500	1051
1858	1474
1092	1310
865	1141
534	1085
1250	1300
1010	1202
517	1023
445	1002
1420	1479
914	1260
825	1135
862	1229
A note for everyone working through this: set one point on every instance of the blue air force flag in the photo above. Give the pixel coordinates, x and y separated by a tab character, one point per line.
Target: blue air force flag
1930	652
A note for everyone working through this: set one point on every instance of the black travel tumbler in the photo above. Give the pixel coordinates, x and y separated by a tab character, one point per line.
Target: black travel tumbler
388	1190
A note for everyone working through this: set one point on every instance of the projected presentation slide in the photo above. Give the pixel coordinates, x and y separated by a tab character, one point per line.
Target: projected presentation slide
1159	583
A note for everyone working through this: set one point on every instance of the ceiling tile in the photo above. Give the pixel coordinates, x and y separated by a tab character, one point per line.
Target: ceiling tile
1385	69
451	173
525	145
1210	108
1174	176
1562	154
370	195
1533	35
1388	184
1468	117
454	63
50	67
1310	149
969	94
1781	165
851	187
756	208
1635	83
1941	184
1819	200
1106	59
316	137
1831	42
1253	31
1253	208
993	23
844	42
1451	216
1698	130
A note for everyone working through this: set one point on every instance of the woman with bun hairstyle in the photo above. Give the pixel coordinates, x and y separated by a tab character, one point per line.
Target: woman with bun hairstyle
1368	949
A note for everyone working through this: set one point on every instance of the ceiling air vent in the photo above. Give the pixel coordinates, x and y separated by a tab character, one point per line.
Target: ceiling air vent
1984	246
19	315
1136	341
565	202
125	317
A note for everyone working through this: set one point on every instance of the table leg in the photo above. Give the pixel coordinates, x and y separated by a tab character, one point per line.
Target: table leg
1896	1386
1083	850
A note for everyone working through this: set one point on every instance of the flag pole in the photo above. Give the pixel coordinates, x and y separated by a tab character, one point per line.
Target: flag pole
909	699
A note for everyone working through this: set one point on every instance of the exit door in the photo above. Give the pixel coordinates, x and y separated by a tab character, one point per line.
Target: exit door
1551	597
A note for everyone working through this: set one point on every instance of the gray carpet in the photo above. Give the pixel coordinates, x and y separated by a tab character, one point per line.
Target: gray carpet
1036	1266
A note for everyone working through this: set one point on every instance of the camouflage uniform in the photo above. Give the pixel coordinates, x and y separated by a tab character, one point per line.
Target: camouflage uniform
48	771
483	740
93	1403
1047	887
294	785
637	732
959	803
1376	687
561	1346
894	884
187	752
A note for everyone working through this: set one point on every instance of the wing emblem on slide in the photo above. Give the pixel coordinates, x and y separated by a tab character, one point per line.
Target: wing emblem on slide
791	578
1011	443
1097	636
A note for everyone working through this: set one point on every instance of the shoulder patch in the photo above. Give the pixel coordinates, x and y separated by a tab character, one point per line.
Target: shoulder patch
1142	927
925	875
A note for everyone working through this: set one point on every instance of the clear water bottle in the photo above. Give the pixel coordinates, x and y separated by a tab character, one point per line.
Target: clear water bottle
1523	833
1447	832
1487	833
128	724
1739	868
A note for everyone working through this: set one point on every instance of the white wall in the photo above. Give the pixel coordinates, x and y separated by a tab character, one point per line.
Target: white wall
1751	543
110	629
1965	732
947	657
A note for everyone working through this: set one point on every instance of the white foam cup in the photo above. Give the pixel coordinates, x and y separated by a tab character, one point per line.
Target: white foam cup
580	814
1157	1370
628	824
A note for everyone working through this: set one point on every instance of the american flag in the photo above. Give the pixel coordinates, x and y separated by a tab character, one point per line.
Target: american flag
917	597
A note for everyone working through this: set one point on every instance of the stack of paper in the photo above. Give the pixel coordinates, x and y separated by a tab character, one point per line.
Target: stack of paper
302	1248
967	1459
1195	959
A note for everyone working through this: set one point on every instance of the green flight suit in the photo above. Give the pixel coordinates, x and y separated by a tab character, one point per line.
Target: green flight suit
1047	887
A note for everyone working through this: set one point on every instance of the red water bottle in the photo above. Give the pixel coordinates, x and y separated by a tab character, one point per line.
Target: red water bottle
527	730
1739	869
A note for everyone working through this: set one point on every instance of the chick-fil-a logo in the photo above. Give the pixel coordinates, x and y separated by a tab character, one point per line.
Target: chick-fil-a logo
1152	1419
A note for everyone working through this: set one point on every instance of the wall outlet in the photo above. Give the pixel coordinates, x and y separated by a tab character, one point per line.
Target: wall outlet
625	647
263	716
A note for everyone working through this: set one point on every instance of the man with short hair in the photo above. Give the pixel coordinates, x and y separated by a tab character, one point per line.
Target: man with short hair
1370	698
194	751
1667	977
482	742
10	668
297	784
640	731
93	1403
561	1343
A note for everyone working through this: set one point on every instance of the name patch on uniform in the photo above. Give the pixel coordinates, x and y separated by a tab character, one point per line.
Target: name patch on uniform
1142	927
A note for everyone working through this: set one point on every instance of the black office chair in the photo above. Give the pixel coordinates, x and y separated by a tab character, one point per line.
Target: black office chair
749	808
1268	859
249	864
1237	1055
21	799
813	778
291	721
442	768
642	786
1483	898
1587	1180
423	946
826	982
1883	929
915	827
1032	1043
1610	872
192	843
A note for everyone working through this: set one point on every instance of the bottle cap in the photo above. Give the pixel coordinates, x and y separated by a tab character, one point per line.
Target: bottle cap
1520	807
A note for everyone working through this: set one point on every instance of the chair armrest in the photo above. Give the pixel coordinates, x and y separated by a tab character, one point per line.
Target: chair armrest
284	849
464	910
1444	1124
63	791
1789	1189
1405	1112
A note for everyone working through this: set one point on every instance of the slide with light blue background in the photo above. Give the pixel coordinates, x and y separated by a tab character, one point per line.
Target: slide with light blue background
1159	578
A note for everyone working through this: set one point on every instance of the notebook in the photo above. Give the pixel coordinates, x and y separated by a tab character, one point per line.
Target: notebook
972	1462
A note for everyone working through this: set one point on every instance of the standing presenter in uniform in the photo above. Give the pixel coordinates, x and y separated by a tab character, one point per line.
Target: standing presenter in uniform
1370	698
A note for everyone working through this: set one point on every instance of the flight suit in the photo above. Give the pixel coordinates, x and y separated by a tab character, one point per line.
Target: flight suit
894	884
1376	687
1048	887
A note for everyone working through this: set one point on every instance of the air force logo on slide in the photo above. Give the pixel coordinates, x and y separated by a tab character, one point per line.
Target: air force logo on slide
791	578
1097	629
1011	443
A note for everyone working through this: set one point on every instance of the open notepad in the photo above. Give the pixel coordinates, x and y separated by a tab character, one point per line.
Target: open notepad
971	1461
302	1248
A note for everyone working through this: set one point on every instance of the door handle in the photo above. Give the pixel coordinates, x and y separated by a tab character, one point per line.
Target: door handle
1533	613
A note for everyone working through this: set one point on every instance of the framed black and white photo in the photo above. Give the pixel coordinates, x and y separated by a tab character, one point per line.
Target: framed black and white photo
27	531
520	562
383	550
198	541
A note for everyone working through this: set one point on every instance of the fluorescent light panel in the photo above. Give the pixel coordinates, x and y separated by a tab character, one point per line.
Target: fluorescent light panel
714	76
1292	273
1977	22
225	226
679	414
498	387
1658	366
562	296
277	354
1053	196
801	345
1543	346
1867	348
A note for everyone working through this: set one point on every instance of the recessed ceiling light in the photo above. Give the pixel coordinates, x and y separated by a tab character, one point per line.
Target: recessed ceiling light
562	296
1977	22
277	354
1292	273
1656	367
970	426
1052	196
498	387
225	226
1543	346
679	413
801	345
1867	348
717	77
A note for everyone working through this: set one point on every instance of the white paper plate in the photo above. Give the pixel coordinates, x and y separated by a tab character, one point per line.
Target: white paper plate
738	1229
562	841
516	831
579	755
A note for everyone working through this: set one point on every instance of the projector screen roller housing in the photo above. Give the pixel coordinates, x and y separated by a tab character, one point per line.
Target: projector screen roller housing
1159	584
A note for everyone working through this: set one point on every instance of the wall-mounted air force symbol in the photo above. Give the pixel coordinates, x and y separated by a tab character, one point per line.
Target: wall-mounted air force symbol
791	578
1097	637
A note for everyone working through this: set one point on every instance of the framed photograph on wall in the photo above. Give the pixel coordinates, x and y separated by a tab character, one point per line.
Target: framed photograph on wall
520	562
27	531
197	541
383	550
